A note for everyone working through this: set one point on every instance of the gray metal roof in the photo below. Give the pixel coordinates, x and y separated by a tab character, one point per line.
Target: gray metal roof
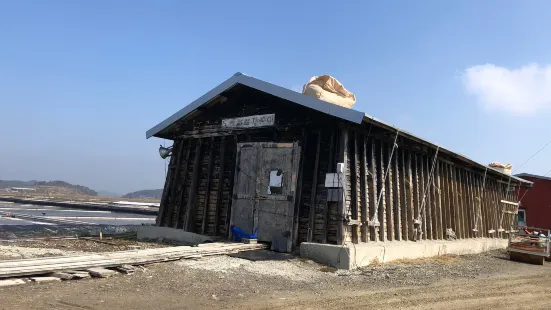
535	176
278	91
309	102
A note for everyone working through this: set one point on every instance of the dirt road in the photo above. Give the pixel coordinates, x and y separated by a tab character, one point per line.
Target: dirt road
474	282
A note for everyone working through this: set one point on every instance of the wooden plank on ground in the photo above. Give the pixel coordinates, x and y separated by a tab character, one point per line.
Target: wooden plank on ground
35	266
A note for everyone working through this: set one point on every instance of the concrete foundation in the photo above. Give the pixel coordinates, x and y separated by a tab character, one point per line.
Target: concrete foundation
353	256
171	234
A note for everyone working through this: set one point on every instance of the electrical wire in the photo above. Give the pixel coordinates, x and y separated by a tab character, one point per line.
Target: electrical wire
534	155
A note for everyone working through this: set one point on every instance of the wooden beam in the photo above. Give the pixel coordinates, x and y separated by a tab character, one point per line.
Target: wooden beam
456	208
416	196
330	167
445	195
235	158
428	203
410	214
364	191
382	191
169	183
298	201
460	199
373	189
389	193
432	191
313	192
438	199
183	184
495	207
397	212
481	226
208	185
423	193
219	197
355	189
188	223
469	204
341	211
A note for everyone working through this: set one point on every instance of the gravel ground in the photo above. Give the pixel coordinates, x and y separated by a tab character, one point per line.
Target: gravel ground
13	232
485	281
84	245
32	248
16	252
405	272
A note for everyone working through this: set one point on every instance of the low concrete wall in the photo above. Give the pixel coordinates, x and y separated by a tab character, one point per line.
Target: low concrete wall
171	234
353	256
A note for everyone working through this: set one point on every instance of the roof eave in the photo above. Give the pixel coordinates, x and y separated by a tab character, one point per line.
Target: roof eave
278	91
462	157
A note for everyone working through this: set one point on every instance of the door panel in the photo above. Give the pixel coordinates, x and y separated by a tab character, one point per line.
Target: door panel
276	203
245	187
265	189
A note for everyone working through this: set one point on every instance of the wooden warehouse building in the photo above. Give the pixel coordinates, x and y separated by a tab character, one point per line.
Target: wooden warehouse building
255	155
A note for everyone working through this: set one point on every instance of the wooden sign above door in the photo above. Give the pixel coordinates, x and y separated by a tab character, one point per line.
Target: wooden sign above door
252	121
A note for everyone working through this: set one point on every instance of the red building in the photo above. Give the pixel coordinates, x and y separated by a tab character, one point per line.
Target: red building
535	207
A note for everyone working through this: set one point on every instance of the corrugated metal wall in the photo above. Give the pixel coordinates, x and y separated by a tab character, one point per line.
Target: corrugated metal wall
537	203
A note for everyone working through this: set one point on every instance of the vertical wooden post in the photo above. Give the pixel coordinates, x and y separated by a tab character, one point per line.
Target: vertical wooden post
312	210
438	199
445	198
416	196
460	197
486	208
341	212
207	186
472	203
397	212
428	202
373	190
433	209
220	185
479	206
364	191
423	193
389	194
382	204
494	205
163	218
456	213
188	223
235	158
179	206
298	201
355	190
330	167
410	201
404	218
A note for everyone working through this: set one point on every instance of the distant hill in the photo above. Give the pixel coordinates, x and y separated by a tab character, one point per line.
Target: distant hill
78	189
13	183
146	193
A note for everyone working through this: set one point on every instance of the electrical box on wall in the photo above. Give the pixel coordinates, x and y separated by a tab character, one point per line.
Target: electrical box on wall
333	180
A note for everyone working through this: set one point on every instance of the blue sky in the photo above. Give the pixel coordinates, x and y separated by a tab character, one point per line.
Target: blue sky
81	82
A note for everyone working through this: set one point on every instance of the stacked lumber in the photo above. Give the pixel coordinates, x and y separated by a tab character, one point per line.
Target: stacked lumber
49	265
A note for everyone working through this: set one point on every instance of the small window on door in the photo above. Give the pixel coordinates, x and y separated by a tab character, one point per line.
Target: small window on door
275	185
521	216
